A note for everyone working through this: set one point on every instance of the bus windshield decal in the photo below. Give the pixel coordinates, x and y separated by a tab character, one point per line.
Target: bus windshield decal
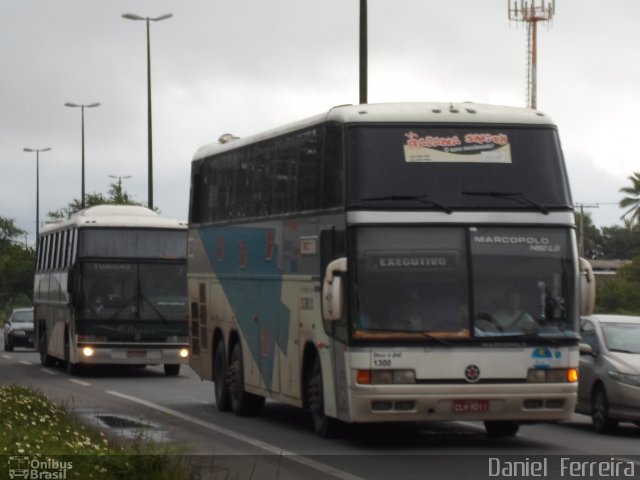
472	147
412	261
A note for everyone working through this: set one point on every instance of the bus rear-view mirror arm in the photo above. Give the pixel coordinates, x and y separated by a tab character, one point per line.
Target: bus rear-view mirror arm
333	291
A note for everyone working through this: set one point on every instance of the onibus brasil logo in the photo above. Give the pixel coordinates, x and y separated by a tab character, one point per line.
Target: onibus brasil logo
37	468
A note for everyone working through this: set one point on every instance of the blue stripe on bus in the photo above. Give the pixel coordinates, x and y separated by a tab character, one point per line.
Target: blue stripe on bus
256	302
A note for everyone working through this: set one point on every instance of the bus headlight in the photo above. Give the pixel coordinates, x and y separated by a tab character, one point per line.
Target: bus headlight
552	375
88	351
184	353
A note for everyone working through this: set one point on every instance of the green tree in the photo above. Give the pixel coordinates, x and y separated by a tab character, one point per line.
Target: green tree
632	200
620	295
17	266
621	243
116	196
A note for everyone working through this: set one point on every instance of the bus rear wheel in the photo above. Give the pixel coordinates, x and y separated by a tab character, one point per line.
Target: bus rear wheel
324	426
501	428
242	402
223	401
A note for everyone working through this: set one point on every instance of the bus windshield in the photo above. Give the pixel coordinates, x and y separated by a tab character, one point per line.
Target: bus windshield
129	291
456	167
460	282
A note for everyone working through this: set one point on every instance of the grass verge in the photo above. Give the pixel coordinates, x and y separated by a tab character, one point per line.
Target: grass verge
39	436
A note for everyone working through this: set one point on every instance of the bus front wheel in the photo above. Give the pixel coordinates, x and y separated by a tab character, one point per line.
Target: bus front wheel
324	426
242	402
223	401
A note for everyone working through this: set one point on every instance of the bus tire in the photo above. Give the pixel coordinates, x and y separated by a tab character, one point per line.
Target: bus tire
171	369
501	428
223	401
324	426
45	359
242	402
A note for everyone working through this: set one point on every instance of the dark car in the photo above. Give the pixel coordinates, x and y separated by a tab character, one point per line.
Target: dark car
18	329
609	387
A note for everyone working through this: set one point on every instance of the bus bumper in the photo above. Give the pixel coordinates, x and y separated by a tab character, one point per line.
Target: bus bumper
515	402
133	355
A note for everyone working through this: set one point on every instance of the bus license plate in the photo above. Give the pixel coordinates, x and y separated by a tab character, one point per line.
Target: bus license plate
470	406
136	354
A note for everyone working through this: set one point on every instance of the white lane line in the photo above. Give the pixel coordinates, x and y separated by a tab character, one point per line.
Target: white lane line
7	357
80	382
24	362
243	438
50	372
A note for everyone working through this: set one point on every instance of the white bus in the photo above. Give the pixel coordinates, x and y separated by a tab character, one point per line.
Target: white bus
110	288
388	263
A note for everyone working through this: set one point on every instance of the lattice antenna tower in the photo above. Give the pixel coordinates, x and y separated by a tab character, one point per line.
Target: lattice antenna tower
529	12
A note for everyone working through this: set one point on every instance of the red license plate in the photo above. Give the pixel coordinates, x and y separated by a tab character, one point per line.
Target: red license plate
470	406
136	354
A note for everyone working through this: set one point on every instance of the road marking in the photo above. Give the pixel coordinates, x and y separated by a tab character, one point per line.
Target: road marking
80	382
243	438
24	362
50	372
8	357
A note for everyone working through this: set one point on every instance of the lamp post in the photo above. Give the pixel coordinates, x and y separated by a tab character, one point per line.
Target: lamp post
131	16
37	150
82	107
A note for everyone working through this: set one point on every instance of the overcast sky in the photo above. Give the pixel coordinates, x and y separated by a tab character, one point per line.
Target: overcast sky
243	66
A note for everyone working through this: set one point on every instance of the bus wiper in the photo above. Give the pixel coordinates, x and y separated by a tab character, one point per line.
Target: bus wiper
532	335
154	308
436	339
424	199
517	197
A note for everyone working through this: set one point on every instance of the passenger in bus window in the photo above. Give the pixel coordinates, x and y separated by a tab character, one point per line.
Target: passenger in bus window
410	314
511	318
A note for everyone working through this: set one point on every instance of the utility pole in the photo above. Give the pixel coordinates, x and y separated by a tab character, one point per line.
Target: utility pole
581	225
531	14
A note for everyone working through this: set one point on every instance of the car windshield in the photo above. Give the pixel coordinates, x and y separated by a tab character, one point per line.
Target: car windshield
23	317
622	337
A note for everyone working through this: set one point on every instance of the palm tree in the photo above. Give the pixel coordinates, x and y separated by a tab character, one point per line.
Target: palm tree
632	201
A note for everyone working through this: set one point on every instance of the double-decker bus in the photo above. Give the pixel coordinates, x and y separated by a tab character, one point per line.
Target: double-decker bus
388	263
110	288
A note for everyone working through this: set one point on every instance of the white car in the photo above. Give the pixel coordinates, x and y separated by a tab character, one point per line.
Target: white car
609	385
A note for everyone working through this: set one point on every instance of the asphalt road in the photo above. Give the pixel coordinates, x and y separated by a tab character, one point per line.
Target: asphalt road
280	442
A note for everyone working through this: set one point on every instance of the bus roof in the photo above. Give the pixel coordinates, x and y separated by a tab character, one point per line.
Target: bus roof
125	216
443	112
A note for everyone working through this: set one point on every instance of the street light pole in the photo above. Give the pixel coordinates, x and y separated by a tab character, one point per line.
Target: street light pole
82	107
131	16
37	150
363	52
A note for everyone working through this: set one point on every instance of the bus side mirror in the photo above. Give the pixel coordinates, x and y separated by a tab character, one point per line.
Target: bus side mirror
333	291
587	288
